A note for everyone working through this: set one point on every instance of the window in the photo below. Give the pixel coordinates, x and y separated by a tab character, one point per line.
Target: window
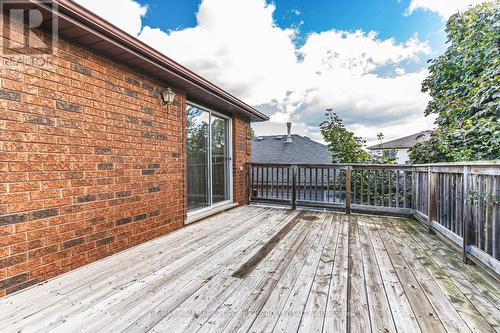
390	153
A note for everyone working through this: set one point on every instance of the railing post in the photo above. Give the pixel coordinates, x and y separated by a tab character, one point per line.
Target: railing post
431	197
294	187
348	174
466	218
414	189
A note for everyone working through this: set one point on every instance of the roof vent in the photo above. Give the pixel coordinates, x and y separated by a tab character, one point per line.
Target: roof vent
306	137
260	138
279	138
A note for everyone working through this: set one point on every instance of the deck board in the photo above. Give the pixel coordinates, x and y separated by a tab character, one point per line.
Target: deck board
310	271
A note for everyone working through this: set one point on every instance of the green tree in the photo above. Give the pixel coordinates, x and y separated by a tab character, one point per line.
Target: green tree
380	137
464	84
343	144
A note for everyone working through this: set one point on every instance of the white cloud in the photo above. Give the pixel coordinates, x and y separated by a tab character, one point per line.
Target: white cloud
357	52
237	45
125	14
445	8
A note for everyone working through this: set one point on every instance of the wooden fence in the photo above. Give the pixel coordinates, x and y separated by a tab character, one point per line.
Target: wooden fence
460	200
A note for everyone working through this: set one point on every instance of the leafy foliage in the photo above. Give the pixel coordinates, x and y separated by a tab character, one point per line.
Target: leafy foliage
375	159
380	137
197	136
464	84
344	145
252	133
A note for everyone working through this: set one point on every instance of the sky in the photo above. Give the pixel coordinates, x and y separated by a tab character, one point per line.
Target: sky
293	59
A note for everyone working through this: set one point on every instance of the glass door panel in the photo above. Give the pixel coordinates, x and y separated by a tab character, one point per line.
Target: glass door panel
208	158
198	154
220	159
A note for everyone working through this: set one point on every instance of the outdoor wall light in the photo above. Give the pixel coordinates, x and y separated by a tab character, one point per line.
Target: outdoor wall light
167	97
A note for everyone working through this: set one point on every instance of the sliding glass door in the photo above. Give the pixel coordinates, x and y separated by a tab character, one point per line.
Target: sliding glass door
208	158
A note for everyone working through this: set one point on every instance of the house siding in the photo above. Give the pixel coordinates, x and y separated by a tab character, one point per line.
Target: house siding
402	155
90	164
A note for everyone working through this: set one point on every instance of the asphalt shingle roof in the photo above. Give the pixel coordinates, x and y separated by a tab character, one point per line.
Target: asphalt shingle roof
404	142
269	149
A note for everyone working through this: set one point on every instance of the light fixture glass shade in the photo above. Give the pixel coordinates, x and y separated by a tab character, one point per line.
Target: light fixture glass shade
167	96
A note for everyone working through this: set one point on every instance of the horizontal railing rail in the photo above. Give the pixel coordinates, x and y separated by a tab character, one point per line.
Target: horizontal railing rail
460	200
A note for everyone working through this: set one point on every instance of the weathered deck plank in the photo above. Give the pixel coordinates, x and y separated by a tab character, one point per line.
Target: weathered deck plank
421	307
291	314
307	271
314	312
380	311
447	299
336	310
458	285
244	313
404	317
160	296
359	315
195	309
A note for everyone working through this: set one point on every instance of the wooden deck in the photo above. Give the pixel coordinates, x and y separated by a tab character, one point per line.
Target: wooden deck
267	269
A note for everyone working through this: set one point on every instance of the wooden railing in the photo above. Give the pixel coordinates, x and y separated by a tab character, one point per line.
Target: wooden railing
460	200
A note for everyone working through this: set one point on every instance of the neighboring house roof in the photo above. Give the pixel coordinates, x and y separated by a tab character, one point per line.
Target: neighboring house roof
86	29
404	142
302	150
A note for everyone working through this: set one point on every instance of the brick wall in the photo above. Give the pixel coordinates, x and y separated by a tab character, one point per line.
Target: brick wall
242	152
90	164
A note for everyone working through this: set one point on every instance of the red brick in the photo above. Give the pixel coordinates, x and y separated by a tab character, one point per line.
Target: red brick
37	272
72	226
43	251
25	206
13	260
23	267
8	177
11	198
36	234
23	187
12	239
6	230
4	251
46	194
73	192
75	167
56	256
55	184
44	176
58	166
25	166
31	225
25	247
57	202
